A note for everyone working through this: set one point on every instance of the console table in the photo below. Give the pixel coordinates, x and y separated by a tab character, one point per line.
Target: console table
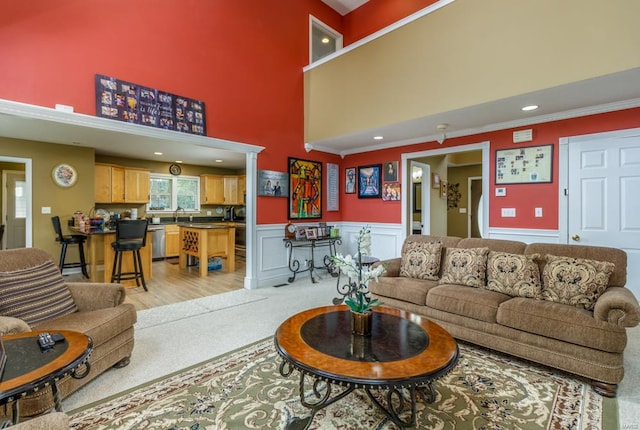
322	242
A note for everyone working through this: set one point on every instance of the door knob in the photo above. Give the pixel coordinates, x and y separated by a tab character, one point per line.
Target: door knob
575	237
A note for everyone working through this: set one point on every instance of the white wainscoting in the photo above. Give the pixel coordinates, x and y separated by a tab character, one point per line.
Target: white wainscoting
524	235
273	258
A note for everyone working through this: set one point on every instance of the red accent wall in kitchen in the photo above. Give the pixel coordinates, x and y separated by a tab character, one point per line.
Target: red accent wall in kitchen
377	14
523	197
244	59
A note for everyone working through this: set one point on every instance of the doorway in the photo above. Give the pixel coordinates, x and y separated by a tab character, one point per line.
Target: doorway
436	222
16	202
475	206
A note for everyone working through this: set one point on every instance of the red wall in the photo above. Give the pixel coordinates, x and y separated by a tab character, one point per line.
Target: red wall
377	14
523	197
244	59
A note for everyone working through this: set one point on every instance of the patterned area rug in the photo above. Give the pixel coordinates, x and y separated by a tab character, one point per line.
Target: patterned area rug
244	390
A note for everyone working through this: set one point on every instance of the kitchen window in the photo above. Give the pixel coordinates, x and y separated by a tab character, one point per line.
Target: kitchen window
168	193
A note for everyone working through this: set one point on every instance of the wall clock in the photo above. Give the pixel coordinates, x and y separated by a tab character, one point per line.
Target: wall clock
64	175
175	169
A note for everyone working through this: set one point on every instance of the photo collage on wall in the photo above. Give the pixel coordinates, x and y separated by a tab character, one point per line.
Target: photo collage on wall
125	101
391	184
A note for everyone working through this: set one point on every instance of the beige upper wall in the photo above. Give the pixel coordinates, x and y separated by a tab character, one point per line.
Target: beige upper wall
62	201
467	53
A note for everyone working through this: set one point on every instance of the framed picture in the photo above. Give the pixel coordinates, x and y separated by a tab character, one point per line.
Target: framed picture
390	171
435	181
369	181
533	164
272	184
350	180
311	233
417	197
443	189
305	189
391	191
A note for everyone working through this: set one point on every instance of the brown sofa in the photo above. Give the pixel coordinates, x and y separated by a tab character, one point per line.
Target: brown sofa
98	311
589	343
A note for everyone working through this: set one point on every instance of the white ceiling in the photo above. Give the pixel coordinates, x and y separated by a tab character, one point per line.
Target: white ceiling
343	7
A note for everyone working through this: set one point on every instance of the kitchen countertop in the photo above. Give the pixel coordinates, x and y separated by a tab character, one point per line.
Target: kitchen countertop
202	225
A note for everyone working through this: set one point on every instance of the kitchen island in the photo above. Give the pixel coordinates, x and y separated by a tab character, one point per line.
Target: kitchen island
208	240
99	252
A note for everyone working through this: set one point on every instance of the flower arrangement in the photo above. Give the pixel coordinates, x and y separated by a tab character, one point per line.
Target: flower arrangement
360	301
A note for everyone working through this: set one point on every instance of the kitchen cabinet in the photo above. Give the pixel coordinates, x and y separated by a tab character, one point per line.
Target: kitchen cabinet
109	183
117	184
230	190
136	185
211	189
242	189
171	240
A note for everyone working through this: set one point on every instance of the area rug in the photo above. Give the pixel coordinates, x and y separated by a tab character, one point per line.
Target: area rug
244	390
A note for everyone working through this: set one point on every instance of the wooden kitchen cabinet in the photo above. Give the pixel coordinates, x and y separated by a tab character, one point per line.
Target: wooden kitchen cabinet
171	240
136	185
109	184
242	189
230	190
117	184
211	189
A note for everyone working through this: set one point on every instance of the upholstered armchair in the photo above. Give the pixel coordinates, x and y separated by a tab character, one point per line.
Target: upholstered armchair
35	296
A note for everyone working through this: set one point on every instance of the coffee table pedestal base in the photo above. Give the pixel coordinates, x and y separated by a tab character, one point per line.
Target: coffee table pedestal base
390	400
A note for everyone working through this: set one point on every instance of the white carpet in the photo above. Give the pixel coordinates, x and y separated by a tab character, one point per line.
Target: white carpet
170	338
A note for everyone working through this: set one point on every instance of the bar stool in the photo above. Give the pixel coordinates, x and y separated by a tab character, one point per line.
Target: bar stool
78	239
131	235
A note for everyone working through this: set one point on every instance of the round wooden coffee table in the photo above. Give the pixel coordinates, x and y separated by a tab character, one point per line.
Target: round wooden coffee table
404	355
28	369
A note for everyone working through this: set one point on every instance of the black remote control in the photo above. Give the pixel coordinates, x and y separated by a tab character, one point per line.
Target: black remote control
45	341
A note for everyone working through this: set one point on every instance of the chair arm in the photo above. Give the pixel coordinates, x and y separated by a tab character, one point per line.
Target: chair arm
11	325
618	306
91	296
392	267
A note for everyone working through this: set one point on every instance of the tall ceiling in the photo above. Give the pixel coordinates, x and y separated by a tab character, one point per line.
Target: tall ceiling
344	6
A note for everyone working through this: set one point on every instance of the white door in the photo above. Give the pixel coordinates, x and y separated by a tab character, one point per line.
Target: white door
16	210
604	195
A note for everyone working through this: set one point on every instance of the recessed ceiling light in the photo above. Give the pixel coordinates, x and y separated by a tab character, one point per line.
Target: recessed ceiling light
218	161
178	161
157	153
378	137
530	107
325	40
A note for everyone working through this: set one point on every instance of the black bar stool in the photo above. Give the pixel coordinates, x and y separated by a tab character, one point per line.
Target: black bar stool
78	239
131	235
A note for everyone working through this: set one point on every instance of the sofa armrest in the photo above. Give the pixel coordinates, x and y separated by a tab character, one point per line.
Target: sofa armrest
11	325
91	296
618	306
392	267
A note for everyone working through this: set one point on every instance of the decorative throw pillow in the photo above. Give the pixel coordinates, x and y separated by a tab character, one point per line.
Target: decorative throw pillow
35	294
421	260
575	281
465	266
513	274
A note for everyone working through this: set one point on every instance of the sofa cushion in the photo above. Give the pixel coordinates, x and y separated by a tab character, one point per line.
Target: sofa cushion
575	281
465	266
407	289
513	274
476	303
561	322
421	260
35	294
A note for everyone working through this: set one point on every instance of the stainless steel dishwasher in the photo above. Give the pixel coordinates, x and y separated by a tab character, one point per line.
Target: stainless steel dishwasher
157	241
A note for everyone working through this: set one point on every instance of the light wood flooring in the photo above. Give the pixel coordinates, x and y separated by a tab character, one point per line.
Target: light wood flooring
170	284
